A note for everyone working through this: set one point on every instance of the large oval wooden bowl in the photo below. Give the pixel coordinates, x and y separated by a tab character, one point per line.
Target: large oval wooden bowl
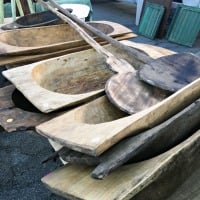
47	35
51	38
96	126
64	81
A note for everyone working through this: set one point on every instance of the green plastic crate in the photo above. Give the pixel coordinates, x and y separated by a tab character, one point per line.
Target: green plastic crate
151	19
185	26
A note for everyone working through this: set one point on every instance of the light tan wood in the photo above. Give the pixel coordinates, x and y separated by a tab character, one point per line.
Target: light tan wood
73	20
36	84
27	59
114	63
96	126
74	182
50	38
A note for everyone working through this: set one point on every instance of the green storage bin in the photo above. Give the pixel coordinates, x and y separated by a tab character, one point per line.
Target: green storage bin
185	26
151	19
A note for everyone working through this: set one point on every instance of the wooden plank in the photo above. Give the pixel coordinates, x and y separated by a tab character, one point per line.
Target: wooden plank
27	59
189	189
74	181
96	126
151	142
167	4
171	72
131	95
140	147
17	42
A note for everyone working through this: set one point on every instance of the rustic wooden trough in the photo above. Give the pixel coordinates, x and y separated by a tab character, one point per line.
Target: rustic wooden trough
59	82
156	178
27	59
51	38
139	147
23	118
95	127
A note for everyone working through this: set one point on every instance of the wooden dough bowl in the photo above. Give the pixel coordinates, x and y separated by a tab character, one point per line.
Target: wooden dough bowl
15	106
95	127
51	38
58	82
30	58
156	178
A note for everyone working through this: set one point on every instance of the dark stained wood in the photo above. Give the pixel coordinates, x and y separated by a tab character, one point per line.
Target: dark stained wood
151	142
114	63
100	34
14	118
167	5
96	126
171	72
132	95
17	42
143	146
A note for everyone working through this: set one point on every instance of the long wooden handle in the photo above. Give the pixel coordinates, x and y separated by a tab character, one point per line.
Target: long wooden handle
115	64
140	56
68	18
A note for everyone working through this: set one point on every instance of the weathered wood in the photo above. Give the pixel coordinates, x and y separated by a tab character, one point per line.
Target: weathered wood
140	147
151	142
167	4
10	110
44	18
130	94
171	72
16	113
100	34
27	59
47	78
17	42
74	181
95	127
189	189
114	63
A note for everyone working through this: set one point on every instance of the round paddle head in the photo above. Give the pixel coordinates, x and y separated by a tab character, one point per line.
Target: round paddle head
130	94
171	72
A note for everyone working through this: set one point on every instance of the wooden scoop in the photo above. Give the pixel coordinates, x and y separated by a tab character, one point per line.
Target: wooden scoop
171	72
132	51
116	65
120	88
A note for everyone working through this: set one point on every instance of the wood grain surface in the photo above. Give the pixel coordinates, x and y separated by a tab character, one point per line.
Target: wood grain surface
17	42
74	181
17	113
171	72
95	127
73	65
167	4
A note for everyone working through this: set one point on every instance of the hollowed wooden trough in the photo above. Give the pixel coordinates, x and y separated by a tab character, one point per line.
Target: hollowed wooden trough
95	127
156	178
67	80
50	39
14	113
